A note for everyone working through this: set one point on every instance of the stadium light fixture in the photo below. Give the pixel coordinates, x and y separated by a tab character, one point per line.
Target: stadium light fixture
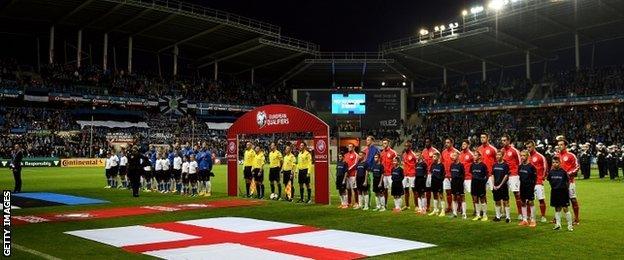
453	26
497	5
404	84
437	28
423	32
383	83
477	9
464	12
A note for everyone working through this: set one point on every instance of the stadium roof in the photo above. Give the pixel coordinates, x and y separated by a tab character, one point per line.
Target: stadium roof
499	37
501	33
203	35
345	69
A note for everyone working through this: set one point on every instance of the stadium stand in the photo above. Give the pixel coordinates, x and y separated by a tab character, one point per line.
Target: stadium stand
261	48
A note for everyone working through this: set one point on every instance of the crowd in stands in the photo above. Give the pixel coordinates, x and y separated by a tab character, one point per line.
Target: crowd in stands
587	82
391	134
40	128
466	92
28	118
53	145
91	79
571	83
599	124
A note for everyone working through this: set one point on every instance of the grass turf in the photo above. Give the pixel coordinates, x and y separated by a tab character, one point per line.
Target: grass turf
598	236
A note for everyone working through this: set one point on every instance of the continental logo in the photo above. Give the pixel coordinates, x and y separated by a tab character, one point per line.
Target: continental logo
82	162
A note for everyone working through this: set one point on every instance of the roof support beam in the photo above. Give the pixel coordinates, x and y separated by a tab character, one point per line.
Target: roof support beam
129	21
194	36
487	57
301	66
612	9
217	53
399	68
7	4
562	26
231	56
271	62
77	9
152	26
469	55
582	29
102	17
430	63
520	45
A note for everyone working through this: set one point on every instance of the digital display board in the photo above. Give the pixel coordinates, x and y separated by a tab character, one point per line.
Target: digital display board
382	106
348	104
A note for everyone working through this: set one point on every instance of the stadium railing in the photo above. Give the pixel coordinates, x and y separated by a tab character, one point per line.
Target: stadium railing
590	100
207	13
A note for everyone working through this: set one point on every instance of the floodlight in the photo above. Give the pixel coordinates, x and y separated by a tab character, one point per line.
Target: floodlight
404	84
383	83
497	4
424	32
464	12
476	9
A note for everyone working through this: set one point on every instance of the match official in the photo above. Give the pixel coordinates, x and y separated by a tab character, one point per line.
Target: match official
287	172
275	166
16	167
136	164
304	163
248	161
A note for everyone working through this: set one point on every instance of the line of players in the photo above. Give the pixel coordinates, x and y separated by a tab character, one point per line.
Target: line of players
280	165
185	171
455	173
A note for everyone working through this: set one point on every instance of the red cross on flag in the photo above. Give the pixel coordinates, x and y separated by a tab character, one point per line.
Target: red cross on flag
241	238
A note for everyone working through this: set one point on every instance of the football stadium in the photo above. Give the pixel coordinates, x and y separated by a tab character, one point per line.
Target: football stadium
163	129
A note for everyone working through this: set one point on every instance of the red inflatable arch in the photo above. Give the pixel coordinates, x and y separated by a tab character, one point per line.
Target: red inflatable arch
274	119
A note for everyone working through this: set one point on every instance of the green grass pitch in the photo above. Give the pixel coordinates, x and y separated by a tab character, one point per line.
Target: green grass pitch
599	235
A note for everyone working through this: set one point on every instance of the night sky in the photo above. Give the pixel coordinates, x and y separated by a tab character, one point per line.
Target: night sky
345	25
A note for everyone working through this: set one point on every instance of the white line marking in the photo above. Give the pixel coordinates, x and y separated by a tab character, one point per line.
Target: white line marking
34	252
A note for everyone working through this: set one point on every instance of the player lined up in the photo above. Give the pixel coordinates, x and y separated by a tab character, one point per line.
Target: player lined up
185	172
455	173
286	165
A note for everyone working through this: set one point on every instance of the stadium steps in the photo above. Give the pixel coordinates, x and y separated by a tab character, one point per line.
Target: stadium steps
539	91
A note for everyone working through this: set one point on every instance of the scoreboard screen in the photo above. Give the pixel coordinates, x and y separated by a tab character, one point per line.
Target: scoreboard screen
348	104
375	107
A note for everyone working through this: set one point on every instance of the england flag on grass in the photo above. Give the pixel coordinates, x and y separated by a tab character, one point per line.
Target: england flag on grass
245	238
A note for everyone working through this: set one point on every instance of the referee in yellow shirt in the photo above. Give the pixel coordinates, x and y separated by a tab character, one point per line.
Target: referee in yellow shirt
258	172
275	165
287	171
304	163
248	161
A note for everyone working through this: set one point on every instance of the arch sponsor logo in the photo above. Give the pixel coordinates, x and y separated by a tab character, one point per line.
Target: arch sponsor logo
263	119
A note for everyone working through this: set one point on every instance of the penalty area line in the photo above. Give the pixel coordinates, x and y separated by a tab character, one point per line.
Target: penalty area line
34	252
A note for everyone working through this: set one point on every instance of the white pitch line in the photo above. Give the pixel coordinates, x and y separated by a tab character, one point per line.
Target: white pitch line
34	252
